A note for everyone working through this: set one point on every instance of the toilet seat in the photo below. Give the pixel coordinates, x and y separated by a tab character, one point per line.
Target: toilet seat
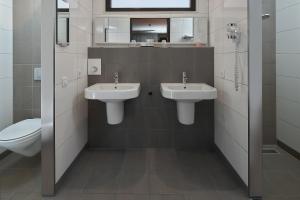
21	130
23	137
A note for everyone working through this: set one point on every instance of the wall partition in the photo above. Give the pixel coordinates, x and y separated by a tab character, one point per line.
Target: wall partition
64	79
255	123
236	34
70	82
231	80
47	105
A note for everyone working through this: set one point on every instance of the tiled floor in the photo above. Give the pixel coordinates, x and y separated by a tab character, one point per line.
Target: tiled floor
151	174
281	176
19	175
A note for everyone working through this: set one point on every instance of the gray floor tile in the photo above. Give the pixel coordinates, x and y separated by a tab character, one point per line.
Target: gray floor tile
150	174
167	197
203	195
132	197
26	196
74	181
281	176
104	181
135	161
135	182
281	161
233	195
98	197
19	181
296	173
281	183
165	183
282	198
225	179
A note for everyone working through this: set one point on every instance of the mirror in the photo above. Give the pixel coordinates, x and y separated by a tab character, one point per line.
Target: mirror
144	29
173	30
63	23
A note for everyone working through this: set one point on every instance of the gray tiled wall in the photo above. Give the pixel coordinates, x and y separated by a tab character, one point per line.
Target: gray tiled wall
150	120
26	57
269	73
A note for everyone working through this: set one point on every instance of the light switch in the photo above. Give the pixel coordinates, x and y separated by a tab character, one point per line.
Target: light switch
94	66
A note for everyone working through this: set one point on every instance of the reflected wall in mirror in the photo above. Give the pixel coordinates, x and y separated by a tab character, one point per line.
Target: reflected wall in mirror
63	23
182	30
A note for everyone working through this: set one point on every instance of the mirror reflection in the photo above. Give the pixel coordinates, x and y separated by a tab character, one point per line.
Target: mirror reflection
149	29
63	23
173	30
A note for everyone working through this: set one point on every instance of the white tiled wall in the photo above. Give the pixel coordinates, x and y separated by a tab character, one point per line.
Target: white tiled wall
70	105
288	72
6	64
231	107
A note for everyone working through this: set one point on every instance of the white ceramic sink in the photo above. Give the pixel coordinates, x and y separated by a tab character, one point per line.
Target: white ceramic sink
186	96
190	92
114	96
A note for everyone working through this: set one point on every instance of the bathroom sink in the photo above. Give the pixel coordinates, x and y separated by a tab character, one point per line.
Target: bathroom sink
114	96
189	92
186	95
113	92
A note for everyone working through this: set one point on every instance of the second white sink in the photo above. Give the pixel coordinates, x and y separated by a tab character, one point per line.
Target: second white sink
186	96
114	96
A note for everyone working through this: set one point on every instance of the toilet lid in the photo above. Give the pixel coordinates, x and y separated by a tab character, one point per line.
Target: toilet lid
21	129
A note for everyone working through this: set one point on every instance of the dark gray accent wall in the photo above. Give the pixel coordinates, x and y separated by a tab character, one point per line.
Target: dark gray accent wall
151	120
26	57
269	72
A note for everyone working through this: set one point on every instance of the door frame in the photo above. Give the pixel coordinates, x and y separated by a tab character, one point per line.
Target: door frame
255	113
48	96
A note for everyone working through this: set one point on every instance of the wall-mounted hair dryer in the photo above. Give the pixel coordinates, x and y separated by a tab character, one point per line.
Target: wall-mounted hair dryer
234	32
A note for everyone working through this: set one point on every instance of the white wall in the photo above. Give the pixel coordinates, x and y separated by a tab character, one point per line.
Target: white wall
6	64
288	72
70	104
231	107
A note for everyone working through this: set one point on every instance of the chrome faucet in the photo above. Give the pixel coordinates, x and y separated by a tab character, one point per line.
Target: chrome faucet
116	78
184	79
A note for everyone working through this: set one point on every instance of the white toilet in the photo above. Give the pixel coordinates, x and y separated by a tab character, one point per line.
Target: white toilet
23	137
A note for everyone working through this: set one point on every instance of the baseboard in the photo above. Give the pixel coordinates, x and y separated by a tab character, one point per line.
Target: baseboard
288	149
269	146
